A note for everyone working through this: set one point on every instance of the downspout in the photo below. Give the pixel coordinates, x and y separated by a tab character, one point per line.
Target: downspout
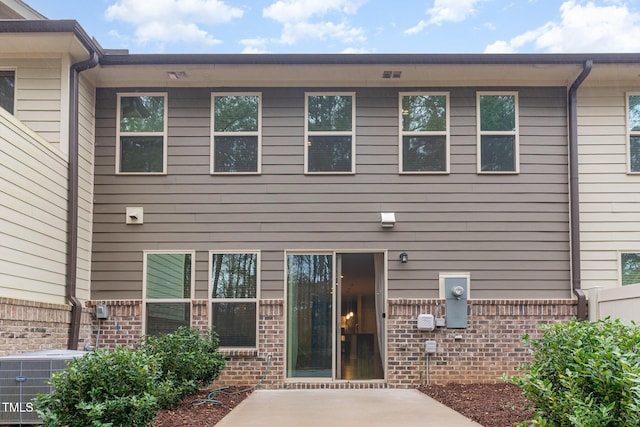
574	190
72	203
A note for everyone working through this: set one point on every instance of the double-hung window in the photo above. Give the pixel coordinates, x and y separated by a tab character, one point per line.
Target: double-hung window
424	133
235	141
168	290
498	139
234	292
7	90
142	133
330	133
633	132
629	268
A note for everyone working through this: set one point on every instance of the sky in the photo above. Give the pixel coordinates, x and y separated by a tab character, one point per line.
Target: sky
355	26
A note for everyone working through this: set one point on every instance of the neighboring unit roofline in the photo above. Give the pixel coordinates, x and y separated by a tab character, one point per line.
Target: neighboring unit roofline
53	26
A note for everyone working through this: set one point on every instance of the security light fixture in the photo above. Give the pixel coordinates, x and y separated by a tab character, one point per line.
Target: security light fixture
404	258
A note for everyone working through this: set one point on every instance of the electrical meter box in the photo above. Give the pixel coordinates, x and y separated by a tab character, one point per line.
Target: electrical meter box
426	322
456	293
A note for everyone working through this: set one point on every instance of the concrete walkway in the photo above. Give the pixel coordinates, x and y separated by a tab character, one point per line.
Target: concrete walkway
351	408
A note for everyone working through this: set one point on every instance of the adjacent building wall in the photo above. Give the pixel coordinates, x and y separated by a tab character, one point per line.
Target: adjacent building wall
34	312
41	96
34	218
609	203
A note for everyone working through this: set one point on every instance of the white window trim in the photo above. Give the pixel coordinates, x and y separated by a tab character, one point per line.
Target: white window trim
146	300
15	87
619	266
446	133
257	133
515	133
256	299
308	133
164	133
445	275
629	134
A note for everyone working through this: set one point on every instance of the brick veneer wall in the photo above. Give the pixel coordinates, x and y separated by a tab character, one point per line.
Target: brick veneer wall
122	327
490	346
27	326
246	367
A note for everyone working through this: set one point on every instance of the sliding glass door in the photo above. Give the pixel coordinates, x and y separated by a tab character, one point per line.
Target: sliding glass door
309	315
335	315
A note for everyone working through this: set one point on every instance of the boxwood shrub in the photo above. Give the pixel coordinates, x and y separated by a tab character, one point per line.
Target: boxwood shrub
584	374
126	387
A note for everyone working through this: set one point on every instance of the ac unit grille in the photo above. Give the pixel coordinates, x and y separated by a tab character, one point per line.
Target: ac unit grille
22	377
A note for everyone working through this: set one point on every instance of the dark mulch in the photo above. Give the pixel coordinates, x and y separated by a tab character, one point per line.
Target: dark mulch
204	415
492	405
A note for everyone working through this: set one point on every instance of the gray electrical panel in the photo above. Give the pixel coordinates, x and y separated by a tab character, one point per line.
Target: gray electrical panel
456	292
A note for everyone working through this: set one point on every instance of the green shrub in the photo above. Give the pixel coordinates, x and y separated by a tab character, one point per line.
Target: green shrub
103	389
584	374
188	358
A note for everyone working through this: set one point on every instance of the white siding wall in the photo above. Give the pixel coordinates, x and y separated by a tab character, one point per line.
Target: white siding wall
609	198
39	90
33	214
85	194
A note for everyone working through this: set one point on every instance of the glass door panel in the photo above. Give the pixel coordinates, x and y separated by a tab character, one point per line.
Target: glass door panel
309	315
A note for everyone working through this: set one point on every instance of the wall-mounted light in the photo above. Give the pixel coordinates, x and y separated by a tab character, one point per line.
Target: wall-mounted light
404	257
387	219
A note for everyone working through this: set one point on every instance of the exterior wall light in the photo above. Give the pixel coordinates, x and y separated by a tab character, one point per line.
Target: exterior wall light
404	258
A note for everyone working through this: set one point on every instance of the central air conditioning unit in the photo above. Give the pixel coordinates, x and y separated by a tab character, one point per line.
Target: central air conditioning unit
23	376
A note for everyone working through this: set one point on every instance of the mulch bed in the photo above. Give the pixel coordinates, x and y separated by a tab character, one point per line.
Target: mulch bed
491	405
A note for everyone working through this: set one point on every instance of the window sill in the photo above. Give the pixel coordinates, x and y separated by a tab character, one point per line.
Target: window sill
239	352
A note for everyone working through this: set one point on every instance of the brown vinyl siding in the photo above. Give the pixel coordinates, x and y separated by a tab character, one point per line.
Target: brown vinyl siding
509	231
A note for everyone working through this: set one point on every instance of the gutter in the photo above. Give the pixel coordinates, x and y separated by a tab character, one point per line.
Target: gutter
574	203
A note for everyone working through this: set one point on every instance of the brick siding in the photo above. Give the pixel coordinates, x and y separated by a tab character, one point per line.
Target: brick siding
489	347
27	326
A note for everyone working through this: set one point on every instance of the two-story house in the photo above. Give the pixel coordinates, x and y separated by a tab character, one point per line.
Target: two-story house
308	208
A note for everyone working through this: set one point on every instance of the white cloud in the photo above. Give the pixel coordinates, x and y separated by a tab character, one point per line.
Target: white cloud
451	10
302	20
258	45
171	21
584	27
292	32
445	11
303	10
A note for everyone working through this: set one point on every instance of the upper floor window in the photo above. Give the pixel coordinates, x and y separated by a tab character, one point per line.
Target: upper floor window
235	140
330	133
498	145
7	90
168	290
142	133
424	133
629	268
633	132
234	297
